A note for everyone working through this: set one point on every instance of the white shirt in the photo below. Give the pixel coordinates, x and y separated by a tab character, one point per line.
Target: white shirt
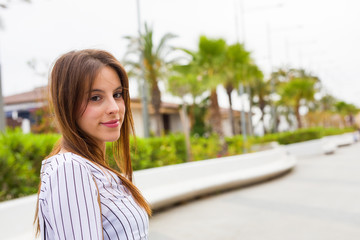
69	207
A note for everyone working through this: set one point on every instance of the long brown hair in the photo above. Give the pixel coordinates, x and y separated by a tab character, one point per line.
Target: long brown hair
71	79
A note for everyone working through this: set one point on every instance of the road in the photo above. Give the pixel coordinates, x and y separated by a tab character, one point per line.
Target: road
318	200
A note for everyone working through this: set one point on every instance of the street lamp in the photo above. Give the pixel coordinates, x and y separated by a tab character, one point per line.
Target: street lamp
241	87
2	113
143	82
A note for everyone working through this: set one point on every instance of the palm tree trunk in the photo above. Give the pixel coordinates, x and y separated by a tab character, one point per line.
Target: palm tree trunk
298	117
262	107
156	102
215	116
215	121
262	121
185	122
251	128
229	89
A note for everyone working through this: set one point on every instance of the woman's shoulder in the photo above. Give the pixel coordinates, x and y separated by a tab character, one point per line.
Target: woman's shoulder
62	160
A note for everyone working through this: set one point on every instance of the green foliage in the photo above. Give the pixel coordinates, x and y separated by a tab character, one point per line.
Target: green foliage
299	136
205	148
236	145
163	151
20	162
198	113
310	134
271	137
21	154
345	108
337	131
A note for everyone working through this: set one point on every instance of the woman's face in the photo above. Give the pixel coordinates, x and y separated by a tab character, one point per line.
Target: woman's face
105	110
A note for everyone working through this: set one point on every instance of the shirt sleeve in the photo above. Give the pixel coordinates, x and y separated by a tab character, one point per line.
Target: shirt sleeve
73	202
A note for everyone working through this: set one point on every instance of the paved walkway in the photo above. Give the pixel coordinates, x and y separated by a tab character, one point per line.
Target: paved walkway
319	200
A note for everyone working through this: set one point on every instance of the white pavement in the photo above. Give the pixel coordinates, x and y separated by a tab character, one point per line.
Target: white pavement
319	200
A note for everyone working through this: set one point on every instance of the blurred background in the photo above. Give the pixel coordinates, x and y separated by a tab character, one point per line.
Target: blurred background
317	37
217	77
208	79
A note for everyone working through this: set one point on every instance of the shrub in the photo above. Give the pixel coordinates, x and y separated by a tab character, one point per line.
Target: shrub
20	162
299	136
205	148
21	154
236	145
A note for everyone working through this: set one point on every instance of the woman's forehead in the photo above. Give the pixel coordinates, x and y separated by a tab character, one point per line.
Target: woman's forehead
107	77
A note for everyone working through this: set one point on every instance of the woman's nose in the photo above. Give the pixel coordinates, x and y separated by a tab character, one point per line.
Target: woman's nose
112	107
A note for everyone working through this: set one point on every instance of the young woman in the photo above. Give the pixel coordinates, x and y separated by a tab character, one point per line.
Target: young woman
81	196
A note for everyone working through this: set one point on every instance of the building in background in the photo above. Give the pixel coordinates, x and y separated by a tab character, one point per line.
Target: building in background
22	111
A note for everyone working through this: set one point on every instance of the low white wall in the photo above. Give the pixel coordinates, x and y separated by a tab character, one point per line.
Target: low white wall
167	185
16	218
325	145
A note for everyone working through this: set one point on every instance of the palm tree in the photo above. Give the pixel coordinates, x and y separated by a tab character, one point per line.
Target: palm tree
236	60
211	62
346	110
298	91
208	63
184	82
252	75
156	64
207	66
261	90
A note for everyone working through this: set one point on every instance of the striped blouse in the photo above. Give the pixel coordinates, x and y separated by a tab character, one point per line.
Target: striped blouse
69	206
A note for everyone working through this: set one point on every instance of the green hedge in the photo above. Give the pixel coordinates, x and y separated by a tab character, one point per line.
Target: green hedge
299	136
21	154
20	162
309	134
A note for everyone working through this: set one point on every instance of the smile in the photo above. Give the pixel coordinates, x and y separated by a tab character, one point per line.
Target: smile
111	124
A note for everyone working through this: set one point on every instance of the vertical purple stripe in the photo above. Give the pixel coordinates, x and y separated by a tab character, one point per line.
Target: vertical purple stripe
137	224
92	200
119	218
112	226
58	187
141	216
87	213
53	209
67	196
77	200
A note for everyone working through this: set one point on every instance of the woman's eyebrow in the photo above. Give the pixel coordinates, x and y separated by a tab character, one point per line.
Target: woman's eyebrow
119	88
100	90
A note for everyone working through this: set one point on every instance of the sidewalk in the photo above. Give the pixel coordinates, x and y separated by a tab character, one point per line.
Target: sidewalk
319	200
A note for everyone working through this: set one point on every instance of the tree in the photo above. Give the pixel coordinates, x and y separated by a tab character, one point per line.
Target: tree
252	76
261	90
321	111
236	61
186	80
298	91
156	63
211	64
347	110
207	66
183	82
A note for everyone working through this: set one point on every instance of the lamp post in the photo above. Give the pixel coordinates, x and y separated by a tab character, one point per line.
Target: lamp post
2	113
243	33
143	82
272	83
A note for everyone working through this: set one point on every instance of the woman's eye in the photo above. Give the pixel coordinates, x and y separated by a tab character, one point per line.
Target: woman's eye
118	95
95	98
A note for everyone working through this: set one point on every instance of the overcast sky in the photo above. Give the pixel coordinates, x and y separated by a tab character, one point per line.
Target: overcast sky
322	36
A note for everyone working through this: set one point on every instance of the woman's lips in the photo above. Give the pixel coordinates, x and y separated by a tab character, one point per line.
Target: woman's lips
111	124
